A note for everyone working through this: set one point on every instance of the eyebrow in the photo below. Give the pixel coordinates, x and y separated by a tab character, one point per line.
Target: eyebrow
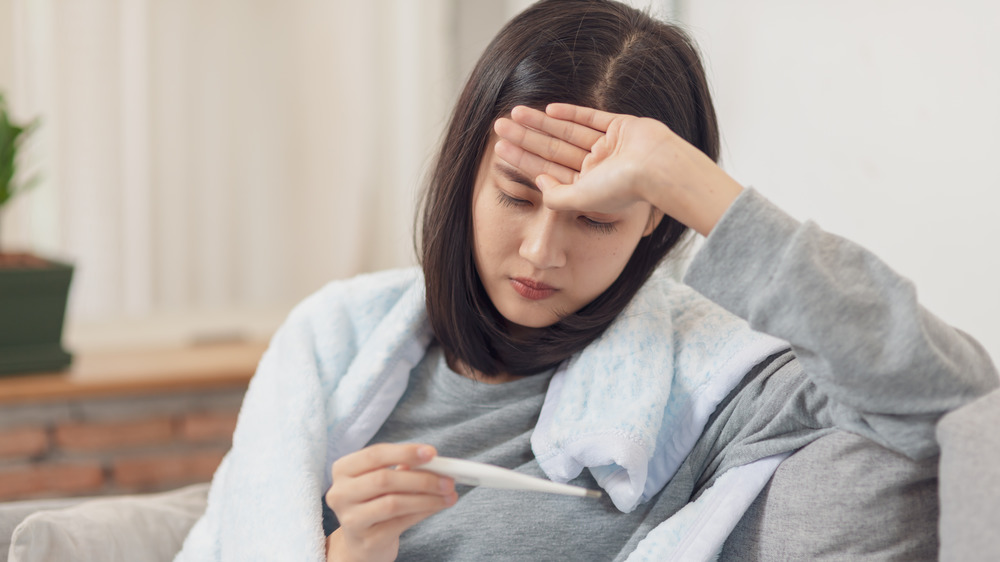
514	175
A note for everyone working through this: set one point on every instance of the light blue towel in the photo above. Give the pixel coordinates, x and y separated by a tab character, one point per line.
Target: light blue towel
632	405
629	408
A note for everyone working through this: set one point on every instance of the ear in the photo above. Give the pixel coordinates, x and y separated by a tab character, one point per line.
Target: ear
655	216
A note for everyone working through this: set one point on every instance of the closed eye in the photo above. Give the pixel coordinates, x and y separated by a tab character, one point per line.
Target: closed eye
602	227
597	226
508	201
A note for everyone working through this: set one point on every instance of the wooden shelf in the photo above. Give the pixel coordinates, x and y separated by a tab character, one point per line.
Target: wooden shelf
138	372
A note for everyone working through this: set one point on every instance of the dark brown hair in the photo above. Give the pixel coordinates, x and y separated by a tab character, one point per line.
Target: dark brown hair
595	53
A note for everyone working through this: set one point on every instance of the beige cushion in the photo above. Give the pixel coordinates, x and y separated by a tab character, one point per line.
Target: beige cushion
125	528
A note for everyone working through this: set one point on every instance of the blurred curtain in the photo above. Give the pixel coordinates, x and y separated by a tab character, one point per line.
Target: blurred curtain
206	160
221	155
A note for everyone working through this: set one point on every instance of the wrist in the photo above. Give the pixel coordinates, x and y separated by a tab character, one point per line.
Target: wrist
336	548
714	200
342	548
698	201
332	547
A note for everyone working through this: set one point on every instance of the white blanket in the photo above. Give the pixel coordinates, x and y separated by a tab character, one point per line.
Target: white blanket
629	408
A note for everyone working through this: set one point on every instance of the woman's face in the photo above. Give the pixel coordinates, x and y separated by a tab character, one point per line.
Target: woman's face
538	265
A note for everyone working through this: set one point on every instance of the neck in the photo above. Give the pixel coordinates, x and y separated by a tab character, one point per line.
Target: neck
470	373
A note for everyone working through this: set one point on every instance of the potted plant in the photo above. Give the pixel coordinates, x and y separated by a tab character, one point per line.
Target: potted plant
33	290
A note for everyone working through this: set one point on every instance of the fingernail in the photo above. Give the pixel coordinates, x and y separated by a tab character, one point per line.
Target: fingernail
450	499
425	453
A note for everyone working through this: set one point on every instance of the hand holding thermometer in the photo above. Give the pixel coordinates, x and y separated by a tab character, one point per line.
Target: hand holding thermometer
489	476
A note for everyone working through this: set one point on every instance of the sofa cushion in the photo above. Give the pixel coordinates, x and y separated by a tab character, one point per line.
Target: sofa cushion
125	528
842	497
13	513
970	485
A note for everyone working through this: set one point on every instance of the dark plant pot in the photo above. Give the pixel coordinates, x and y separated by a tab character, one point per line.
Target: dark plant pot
32	309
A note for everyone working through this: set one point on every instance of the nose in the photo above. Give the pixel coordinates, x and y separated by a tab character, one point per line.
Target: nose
543	245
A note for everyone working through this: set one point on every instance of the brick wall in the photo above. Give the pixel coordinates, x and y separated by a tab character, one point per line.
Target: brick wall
102	446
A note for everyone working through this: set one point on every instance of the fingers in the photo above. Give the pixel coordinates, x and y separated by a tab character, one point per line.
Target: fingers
378	542
373	486
551	192
393	507
577	155
578	135
395	527
557	142
543	144
382	455
531	164
555	194
588	194
593	118
370	473
380	482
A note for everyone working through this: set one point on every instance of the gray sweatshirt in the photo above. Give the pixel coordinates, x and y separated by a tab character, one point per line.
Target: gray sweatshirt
888	368
866	357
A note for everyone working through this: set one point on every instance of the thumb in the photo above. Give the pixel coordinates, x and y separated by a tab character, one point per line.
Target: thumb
554	194
546	182
601	149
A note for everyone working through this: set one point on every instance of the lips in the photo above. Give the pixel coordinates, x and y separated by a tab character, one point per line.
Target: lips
532	290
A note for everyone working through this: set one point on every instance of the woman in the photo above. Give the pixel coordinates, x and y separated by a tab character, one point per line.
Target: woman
539	307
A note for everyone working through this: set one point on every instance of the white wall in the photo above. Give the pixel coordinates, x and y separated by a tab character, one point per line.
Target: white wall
880	120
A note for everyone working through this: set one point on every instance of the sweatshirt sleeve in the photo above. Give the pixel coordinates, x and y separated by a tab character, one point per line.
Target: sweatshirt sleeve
855	324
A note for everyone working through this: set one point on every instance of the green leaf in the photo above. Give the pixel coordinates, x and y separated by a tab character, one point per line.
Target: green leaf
12	137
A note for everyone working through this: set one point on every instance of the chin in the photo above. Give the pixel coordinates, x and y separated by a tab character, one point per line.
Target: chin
534	325
530	321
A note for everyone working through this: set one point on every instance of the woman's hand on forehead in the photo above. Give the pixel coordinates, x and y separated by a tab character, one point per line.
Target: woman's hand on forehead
536	153
562	148
594	161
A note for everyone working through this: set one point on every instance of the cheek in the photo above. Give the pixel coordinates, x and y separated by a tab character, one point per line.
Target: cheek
602	261
490	231
607	262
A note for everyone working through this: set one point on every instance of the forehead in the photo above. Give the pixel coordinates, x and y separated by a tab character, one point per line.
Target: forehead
491	163
512	174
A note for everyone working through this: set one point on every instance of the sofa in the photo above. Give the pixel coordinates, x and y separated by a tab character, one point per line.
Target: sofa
841	497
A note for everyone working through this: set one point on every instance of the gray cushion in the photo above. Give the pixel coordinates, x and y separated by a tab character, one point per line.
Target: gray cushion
126	528
970	481
842	497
